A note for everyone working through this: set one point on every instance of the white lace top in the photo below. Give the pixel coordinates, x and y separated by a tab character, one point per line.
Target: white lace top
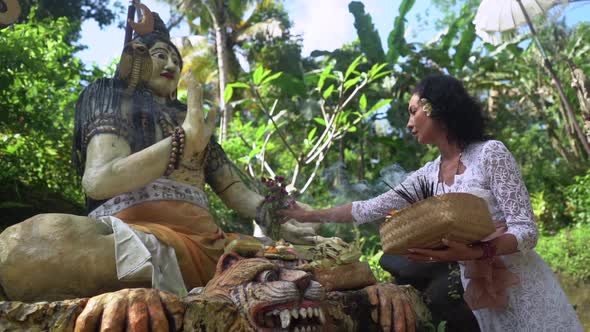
537	303
490	173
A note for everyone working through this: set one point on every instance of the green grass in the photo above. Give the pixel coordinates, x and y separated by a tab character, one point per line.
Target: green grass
567	251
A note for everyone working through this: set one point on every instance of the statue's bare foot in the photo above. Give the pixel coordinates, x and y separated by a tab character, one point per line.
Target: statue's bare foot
135	309
391	308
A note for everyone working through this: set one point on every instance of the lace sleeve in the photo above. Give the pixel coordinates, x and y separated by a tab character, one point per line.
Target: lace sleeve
377	208
511	194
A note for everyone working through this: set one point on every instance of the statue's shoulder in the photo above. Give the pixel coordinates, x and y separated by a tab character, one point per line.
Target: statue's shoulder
103	88
103	83
98	111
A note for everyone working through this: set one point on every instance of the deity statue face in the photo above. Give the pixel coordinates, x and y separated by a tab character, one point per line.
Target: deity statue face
268	295
165	71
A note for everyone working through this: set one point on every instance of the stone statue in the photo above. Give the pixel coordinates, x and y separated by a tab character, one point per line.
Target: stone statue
145	158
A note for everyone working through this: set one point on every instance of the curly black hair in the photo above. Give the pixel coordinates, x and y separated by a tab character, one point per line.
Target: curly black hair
454	108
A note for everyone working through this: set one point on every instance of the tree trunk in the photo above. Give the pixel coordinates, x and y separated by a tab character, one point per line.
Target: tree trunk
361	166
226	110
216	10
581	84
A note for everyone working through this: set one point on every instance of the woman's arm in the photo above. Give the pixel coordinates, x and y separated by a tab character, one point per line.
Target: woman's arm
513	198
339	214
359	211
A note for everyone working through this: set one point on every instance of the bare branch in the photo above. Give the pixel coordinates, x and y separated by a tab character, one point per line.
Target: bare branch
264	109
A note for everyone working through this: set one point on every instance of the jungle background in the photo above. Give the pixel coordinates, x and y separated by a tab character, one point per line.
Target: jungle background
332	123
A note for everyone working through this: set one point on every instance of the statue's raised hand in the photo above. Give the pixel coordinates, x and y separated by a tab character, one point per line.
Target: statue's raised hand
137	309
197	128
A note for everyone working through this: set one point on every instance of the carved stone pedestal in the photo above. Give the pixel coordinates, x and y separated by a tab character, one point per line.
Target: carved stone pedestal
344	311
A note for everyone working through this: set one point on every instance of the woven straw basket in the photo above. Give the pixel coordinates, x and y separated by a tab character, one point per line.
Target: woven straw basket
459	217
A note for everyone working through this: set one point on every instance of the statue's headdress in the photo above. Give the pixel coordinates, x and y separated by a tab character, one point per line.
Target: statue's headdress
150	23
135	65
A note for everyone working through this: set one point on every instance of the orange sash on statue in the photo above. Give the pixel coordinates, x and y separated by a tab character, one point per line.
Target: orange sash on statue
188	228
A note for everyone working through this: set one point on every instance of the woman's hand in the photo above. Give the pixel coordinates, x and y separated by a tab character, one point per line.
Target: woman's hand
197	128
295	211
455	251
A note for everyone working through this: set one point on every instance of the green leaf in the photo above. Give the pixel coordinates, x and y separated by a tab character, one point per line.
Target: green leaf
381	74
311	134
353	66
363	102
370	42
342	118
257	76
328	91
352	129
228	93
259	132
396	41
351	82
252	153
271	78
463	49
320	121
237	85
325	73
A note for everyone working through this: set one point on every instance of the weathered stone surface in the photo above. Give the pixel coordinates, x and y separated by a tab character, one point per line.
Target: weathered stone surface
345	311
41	316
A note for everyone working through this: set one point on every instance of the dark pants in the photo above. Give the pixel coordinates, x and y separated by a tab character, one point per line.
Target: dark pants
440	285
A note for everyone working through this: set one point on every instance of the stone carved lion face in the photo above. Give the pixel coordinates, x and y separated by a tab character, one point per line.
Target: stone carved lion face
270	296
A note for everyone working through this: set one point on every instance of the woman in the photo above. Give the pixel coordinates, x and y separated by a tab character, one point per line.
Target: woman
443	114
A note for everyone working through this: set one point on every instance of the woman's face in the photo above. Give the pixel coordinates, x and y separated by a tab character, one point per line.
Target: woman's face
165	70
423	128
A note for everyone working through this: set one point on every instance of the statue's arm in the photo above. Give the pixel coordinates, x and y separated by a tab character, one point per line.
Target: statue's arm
229	183
111	169
240	198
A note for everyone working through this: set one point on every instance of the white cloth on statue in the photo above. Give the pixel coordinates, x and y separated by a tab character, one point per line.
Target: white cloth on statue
537	303
141	256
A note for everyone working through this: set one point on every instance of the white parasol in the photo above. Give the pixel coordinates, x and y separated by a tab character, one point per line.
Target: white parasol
497	20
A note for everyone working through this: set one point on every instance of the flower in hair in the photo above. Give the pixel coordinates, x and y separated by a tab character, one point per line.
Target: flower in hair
426	106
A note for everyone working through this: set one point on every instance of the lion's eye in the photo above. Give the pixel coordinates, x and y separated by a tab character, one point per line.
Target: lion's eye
268	275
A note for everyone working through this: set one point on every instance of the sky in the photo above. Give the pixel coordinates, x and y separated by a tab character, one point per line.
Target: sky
323	24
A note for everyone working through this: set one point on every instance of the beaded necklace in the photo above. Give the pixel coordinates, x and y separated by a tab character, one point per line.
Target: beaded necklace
440	177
